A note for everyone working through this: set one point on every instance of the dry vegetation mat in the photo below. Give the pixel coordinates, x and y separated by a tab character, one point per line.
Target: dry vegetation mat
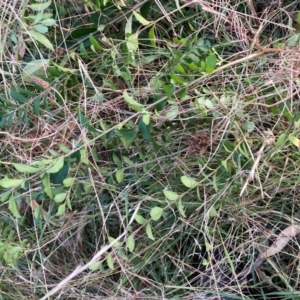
150	149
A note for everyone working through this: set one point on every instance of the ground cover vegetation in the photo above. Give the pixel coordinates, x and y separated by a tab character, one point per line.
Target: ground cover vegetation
149	149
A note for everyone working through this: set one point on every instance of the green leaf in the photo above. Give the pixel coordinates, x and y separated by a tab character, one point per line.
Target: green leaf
180	208
47	186
40	28
83	156
145	130
27	169
132	42
127	136
152	37
212	212
120	175
295	141
18	97
249	126
95	266
61	175
156	213
12	206
69	181
57	165
139	219
132	103
39	6
170	195
114	243
298	18
141	19
149	232
7	183
34	68
130	243
128	26
60	197
110	261
281	139
146	117
95	43
208	247
169	90
189	182
41	38
172	112
210	63
48	22
61	210
121	254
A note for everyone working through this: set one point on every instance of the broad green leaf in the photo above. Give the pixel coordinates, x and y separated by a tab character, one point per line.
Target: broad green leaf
298	18
61	210
40	28
156	213
208	247
130	243
60	197
249	126
95	43
281	139
149	232
57	165
34	68
145	130
295	141
172	112
110	261
27	169
83	156
95	266
61	175
48	22
139	219
114	243
47	186
189	182
128	161
128	26
39	6
69	181
212	212
127	136
18	97
5	196
64	148
170	195
152	37
7	183
132	103
141	19
132	42
169	90
210	63
41	38
12	206
180	208
146	117
121	254
120	175
37	212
